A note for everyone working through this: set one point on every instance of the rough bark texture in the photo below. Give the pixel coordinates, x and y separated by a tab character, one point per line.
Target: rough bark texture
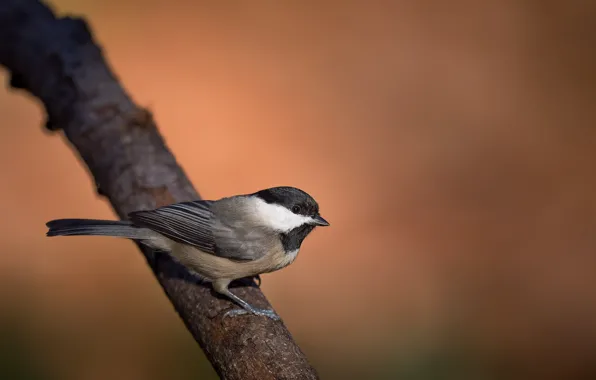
56	60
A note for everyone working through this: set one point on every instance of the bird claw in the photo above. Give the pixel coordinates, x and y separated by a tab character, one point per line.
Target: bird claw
257	278
259	312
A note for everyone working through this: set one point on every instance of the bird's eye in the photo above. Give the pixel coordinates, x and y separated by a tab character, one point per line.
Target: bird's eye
296	209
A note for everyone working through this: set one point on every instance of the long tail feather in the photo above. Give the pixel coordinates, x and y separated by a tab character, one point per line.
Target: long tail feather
93	227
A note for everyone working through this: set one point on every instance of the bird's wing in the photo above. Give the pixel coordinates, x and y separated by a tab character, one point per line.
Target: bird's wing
186	222
239	234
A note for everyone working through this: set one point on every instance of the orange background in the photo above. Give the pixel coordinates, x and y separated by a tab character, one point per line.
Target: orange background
450	144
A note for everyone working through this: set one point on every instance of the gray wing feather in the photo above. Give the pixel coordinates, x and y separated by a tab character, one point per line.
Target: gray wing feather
223	228
186	222
237	231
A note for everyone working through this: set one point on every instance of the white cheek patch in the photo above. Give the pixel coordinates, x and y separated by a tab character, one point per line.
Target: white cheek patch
278	217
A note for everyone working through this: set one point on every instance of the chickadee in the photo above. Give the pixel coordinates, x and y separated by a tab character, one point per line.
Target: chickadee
223	240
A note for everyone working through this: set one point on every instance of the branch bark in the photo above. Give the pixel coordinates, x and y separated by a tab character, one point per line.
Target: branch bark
57	60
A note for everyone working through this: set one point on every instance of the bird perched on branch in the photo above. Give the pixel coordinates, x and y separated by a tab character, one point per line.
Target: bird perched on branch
223	240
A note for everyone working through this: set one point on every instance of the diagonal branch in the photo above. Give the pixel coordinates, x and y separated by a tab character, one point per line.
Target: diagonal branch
56	60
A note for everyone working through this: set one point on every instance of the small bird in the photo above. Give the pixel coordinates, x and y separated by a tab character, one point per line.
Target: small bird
224	240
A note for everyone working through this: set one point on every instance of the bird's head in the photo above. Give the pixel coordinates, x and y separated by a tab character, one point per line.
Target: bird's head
287	208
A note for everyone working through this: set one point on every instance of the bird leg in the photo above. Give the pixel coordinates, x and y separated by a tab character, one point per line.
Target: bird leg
221	287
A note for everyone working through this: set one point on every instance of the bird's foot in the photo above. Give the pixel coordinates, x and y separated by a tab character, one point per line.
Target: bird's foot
260	312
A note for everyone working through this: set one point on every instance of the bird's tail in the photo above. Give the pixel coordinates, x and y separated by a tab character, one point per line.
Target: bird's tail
71	227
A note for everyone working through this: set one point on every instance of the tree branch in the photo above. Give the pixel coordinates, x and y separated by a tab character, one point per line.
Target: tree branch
56	60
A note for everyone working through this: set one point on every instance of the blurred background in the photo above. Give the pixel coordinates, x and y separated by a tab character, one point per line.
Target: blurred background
451	145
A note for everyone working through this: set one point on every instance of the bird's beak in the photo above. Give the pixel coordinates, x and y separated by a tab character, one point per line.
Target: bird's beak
319	221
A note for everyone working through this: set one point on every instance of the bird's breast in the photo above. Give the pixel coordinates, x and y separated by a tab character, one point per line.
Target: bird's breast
282	259
212	267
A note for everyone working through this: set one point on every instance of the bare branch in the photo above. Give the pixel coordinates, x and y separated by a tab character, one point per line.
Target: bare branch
56	60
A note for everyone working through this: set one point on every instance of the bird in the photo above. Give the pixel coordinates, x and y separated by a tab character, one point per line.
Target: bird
219	240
